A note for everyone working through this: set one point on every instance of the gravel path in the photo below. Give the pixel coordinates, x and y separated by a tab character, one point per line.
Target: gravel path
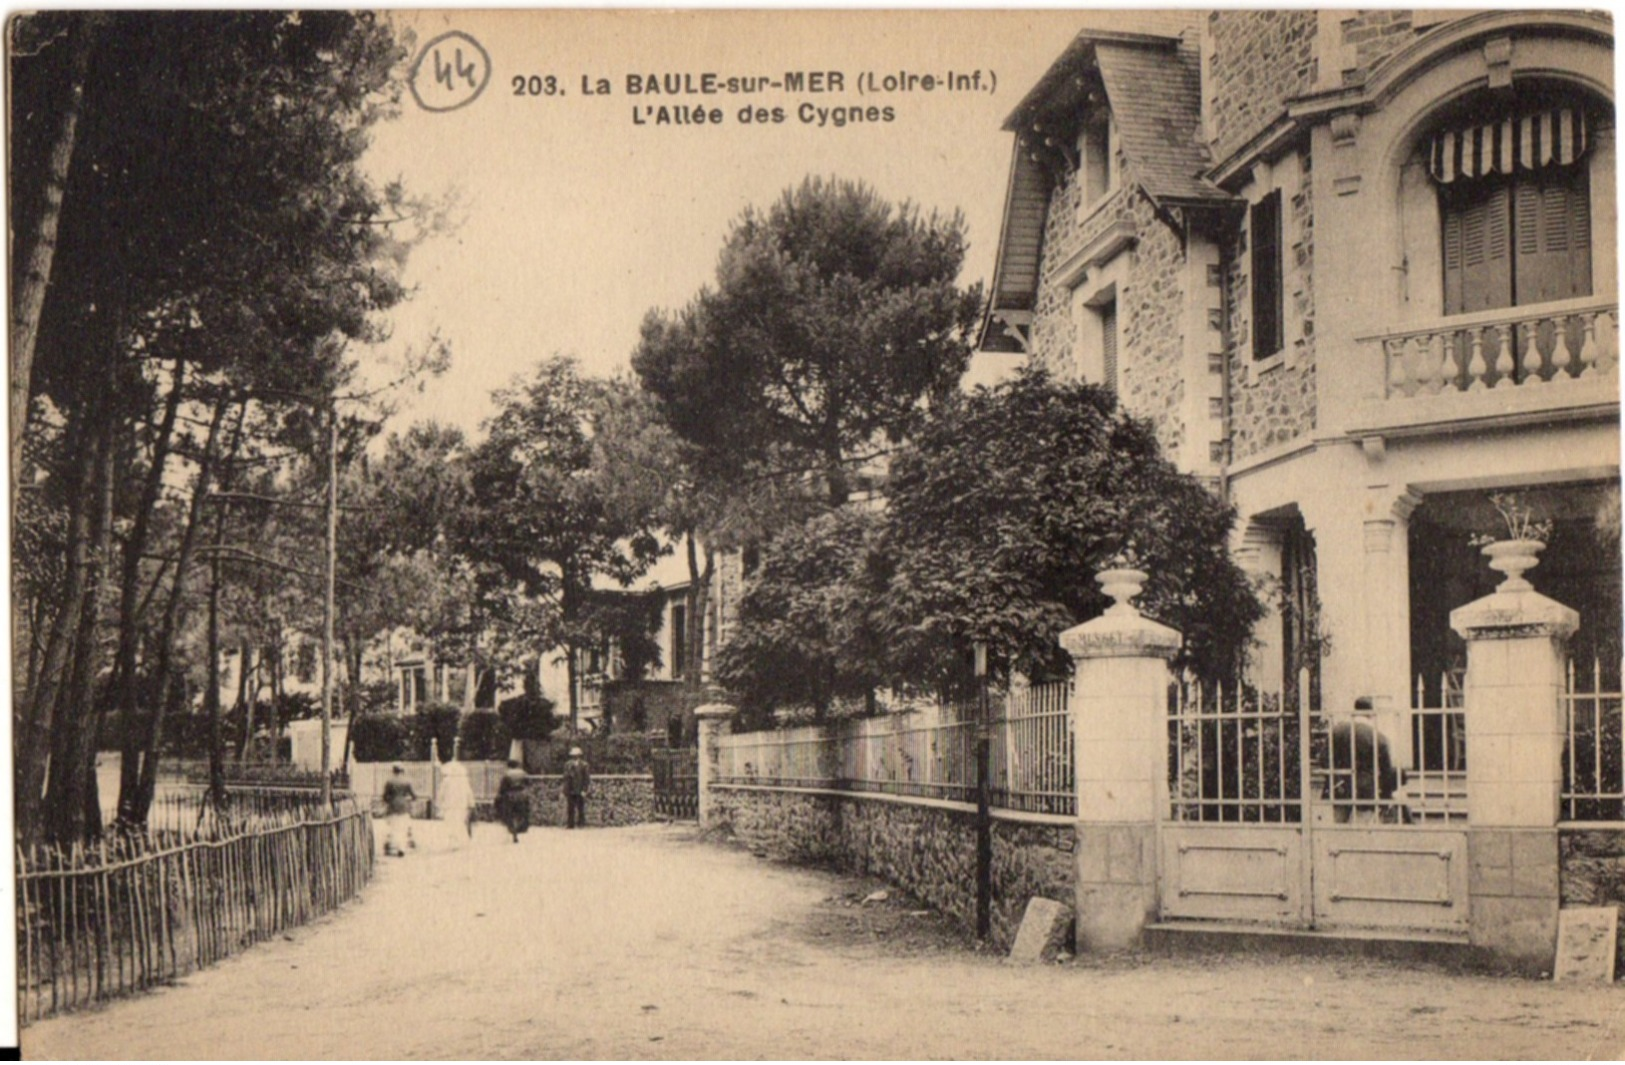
647	943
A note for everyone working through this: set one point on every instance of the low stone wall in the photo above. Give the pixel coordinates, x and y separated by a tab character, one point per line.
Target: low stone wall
615	800
1591	870
927	847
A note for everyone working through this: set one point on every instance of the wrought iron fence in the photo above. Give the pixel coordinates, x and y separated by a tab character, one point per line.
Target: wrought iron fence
676	782
925	754
137	909
1033	765
891	755
1435	784
1234	753
1594	751
798	757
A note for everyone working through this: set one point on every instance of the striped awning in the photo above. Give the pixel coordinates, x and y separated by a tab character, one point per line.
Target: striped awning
1547	138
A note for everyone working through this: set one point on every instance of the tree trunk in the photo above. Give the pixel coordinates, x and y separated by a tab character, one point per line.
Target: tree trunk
211	695
273	722
34	741
217	753
74	720
248	694
568	607
36	274
175	615
123	690
136	798
699	602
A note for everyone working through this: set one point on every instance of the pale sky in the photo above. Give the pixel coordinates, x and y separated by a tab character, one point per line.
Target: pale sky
576	221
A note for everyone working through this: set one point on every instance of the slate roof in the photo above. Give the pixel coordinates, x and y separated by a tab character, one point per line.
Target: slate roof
1156	100
1152	84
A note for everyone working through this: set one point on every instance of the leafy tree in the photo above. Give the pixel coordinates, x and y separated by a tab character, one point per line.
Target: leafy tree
539	514
482	737
998	534
834	321
529	719
213	235
807	631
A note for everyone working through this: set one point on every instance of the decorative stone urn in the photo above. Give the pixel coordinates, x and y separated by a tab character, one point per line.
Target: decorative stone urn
1514	558
1122	585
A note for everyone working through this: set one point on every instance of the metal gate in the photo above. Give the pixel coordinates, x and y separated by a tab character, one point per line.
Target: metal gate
1280	813
676	773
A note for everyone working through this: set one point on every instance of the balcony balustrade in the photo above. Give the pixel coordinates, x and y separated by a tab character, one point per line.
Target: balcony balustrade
1514	348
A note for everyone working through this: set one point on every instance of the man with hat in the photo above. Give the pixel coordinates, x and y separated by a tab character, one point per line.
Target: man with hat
577	785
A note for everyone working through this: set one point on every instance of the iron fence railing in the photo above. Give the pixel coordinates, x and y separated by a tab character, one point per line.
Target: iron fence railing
1594	748
1033	766
927	754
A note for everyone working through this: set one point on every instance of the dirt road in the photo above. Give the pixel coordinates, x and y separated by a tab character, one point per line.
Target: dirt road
648	943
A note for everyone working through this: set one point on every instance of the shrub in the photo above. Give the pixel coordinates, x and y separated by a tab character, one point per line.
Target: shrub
379	738
483	737
375	697
613	753
528	717
436	721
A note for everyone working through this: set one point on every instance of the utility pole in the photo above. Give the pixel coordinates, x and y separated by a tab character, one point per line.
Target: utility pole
984	815
327	602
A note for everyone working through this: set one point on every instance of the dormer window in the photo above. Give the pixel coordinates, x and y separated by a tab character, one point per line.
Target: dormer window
1097	166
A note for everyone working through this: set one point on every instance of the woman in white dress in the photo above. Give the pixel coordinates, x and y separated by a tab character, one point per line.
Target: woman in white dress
456	803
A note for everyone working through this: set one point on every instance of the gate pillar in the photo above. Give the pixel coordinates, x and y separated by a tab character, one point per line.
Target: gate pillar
709	720
1515	731
1119	720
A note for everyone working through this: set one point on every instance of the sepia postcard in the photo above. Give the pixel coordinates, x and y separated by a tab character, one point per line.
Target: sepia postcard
822	534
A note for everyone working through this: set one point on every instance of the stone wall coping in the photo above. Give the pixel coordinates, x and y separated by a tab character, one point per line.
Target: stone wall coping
709	711
998	813
1504	615
596	776
1121	636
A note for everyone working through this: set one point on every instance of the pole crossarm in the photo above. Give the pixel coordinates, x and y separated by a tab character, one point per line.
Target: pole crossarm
232	553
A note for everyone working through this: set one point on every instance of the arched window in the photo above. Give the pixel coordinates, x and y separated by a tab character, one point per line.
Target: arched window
1514	207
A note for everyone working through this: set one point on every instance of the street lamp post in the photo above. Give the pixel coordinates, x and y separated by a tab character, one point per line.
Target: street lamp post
984	816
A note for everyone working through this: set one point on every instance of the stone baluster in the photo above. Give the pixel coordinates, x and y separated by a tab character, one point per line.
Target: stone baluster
1608	343
1427	369
1399	378
1477	369
1588	344
1503	357
1562	357
1531	353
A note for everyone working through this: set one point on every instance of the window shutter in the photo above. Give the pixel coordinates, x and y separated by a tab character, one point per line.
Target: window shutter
1553	214
1478	250
1268	332
1108	345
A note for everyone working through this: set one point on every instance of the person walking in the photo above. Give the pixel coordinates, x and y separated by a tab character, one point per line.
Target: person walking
398	800
512	808
577	786
456	803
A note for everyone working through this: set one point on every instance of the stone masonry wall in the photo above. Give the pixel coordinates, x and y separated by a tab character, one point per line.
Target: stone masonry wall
1274	405
1150	303
615	800
1369	37
1591	871
925	848
1257	61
